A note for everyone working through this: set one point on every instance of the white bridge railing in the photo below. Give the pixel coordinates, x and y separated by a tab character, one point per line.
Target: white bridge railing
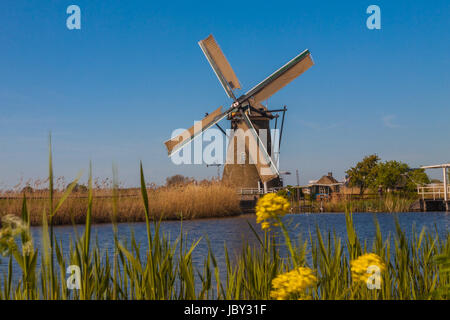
432	191
257	191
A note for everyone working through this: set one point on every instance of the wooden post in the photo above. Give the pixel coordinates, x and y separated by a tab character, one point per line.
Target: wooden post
444	170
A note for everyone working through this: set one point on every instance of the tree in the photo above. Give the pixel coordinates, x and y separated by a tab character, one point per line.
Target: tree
416	177
363	174
391	175
27	189
178	180
78	188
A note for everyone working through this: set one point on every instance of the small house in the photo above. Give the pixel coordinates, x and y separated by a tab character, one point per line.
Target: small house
325	186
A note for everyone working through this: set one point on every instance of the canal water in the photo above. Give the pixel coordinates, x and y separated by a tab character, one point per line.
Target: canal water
233	232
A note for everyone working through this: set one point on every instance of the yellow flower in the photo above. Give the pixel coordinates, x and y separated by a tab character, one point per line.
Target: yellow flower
293	284
269	208
360	266
12	226
27	248
265	225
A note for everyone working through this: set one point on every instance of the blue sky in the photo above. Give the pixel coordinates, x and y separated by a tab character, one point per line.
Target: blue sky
113	91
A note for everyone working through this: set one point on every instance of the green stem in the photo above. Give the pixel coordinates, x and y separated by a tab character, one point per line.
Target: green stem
288	242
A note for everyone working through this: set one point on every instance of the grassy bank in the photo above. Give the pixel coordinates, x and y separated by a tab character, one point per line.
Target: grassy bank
389	203
188	202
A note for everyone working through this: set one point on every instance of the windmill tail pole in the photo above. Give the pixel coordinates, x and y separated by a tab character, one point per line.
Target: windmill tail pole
282	126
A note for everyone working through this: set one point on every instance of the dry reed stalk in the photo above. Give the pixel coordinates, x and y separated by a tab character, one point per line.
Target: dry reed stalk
168	203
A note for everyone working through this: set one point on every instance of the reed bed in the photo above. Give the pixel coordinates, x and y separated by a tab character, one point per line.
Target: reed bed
168	203
415	268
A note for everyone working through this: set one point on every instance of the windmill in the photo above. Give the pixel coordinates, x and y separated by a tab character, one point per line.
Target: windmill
254	164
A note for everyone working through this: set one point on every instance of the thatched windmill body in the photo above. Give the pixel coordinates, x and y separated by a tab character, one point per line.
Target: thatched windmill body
250	165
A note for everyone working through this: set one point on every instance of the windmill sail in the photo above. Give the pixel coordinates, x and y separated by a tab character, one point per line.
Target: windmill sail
220	65
280	78
176	143
259	156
